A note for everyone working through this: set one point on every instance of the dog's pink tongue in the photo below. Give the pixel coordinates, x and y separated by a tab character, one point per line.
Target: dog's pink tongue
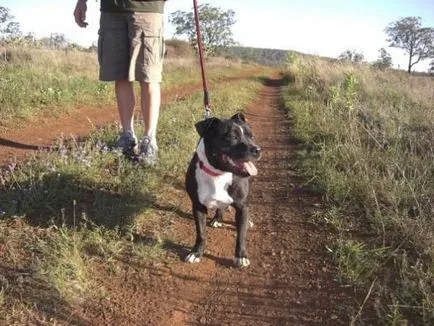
250	168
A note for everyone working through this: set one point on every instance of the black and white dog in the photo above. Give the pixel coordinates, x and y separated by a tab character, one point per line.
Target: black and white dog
218	177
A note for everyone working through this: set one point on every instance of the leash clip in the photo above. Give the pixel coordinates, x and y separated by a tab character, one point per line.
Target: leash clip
207	112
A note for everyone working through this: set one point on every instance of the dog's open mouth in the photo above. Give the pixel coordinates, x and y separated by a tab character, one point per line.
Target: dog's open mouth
239	166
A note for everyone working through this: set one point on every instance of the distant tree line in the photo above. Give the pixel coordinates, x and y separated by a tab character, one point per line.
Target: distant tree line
11	34
268	57
407	34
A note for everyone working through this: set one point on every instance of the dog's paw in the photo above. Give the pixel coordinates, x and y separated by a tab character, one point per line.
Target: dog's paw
242	262
215	224
251	224
192	258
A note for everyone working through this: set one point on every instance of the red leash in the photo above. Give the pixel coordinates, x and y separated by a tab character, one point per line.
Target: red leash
206	97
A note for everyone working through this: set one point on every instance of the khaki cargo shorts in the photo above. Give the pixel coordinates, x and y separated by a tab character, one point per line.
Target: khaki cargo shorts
131	46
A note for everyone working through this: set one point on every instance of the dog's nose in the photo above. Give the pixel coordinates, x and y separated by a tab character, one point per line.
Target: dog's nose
256	150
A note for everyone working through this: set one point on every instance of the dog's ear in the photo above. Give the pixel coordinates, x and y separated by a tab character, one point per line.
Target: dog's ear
239	117
203	126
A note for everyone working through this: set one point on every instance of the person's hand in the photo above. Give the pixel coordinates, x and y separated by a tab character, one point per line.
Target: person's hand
80	13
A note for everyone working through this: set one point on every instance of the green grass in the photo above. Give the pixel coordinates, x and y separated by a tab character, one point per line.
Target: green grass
35	80
69	212
366	142
52	82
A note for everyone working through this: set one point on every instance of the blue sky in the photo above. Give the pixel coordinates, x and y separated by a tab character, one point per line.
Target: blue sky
323	27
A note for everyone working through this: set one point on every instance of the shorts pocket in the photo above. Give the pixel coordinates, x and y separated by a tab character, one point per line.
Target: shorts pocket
153	43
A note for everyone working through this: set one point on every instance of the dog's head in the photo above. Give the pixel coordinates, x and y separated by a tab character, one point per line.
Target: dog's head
229	145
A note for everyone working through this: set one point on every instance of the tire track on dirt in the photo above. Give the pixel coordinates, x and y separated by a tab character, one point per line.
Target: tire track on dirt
43	131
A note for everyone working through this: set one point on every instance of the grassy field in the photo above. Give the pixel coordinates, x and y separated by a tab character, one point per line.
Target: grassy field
366	143
52	82
71	210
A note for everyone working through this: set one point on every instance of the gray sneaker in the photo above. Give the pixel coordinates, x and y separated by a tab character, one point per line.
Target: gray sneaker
127	142
148	151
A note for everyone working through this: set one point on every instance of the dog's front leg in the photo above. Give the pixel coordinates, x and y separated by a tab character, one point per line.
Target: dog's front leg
216	222
241	220
199	213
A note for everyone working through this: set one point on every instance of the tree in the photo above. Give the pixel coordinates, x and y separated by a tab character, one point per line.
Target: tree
58	40
431	67
384	61
45	42
75	46
93	47
215	25
351	55
8	27
408	34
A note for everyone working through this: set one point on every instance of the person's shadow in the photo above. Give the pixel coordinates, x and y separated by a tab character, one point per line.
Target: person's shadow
62	199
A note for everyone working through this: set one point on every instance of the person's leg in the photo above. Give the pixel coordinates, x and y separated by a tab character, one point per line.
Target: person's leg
114	60
146	66
127	142
126	102
150	102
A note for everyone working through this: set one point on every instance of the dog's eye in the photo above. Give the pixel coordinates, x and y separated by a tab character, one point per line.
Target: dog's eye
231	137
234	138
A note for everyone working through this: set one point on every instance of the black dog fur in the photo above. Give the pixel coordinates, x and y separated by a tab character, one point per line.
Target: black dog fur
229	147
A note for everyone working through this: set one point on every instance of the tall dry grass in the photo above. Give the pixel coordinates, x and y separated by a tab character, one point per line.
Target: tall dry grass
368	140
35	81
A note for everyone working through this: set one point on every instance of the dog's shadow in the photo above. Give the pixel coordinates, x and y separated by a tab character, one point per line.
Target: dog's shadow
224	262
173	209
180	251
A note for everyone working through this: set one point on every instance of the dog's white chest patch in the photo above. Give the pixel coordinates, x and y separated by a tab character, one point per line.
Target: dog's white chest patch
212	190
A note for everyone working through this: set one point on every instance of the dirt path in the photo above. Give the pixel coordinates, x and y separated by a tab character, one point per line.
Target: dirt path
289	281
41	132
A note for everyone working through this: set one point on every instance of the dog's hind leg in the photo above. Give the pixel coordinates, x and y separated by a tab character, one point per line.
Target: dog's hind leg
199	212
217	220
241	220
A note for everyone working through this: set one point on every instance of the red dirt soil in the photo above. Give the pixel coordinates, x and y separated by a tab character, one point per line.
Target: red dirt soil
291	277
41	132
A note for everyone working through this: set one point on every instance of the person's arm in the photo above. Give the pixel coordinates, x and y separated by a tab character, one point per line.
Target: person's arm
80	13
